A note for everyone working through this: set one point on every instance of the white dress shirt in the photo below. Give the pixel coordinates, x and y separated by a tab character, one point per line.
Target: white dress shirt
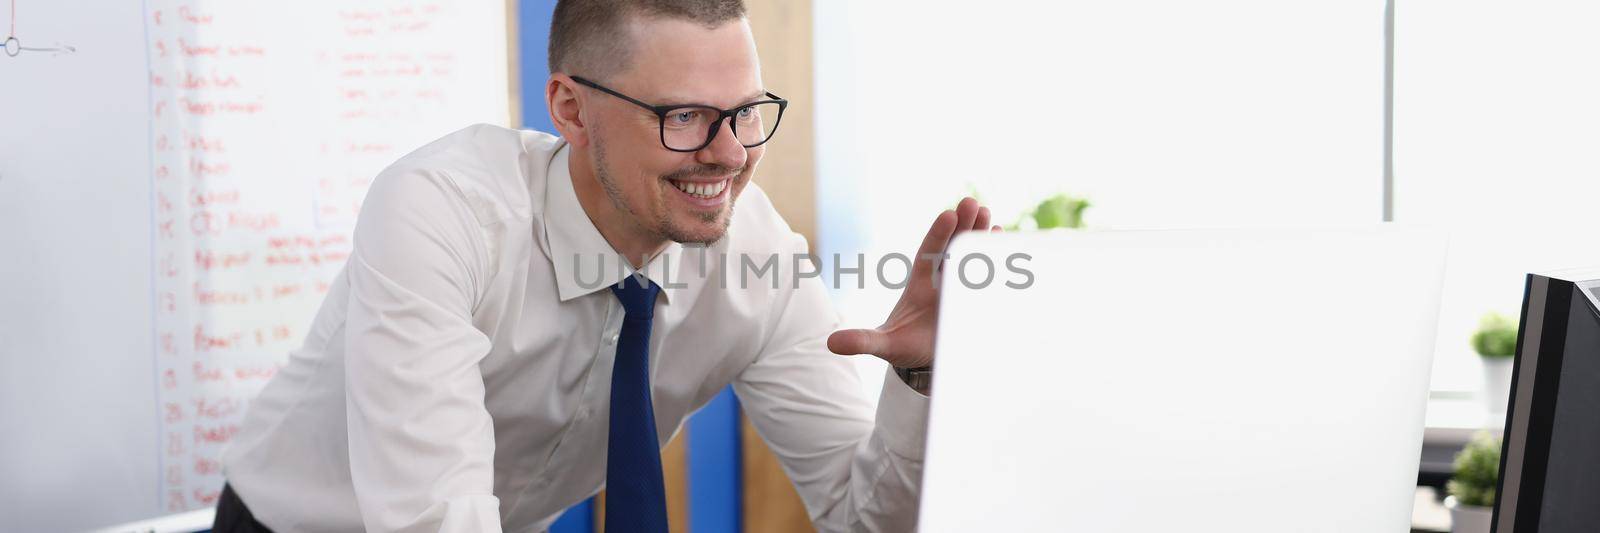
458	375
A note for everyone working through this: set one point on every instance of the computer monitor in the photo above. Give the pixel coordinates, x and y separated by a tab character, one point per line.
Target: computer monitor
1239	381
1550	465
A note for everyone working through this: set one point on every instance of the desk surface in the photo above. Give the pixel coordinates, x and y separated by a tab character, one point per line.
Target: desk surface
189	522
1428	514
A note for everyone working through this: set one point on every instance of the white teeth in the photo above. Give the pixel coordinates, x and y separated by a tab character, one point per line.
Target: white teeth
701	190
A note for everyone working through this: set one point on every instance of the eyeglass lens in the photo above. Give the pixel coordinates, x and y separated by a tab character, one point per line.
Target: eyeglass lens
687	128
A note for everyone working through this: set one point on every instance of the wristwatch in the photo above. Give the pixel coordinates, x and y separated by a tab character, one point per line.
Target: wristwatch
920	379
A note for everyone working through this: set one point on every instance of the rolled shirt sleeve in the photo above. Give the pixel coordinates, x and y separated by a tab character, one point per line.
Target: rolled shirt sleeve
854	470
421	440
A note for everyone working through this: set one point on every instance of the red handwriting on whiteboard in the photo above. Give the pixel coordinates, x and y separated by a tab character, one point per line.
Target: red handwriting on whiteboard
197	51
200	168
204	223
218	434
201	143
215	408
190	16
286	290
203	374
212	260
202	198
211	297
362	15
238	220
255	373
246	51
310	242
195	82
204	341
354	147
276	333
360	23
206	497
306	250
206	466
220	107
174	412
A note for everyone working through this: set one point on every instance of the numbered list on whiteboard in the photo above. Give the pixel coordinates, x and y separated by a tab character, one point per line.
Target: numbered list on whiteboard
268	122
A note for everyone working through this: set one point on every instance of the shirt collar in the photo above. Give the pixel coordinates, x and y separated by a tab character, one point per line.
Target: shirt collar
584	262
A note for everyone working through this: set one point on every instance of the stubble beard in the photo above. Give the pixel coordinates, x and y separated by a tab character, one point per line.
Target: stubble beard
661	224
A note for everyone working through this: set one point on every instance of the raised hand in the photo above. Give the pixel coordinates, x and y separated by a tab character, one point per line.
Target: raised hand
905	340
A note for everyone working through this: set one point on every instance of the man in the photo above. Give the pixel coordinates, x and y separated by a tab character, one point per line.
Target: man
479	365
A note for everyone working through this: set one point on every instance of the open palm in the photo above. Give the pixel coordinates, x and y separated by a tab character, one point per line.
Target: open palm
905	340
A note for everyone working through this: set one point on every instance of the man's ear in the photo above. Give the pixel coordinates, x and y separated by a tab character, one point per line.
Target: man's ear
566	109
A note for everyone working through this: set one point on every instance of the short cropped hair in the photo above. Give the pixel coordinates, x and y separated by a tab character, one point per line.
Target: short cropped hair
590	37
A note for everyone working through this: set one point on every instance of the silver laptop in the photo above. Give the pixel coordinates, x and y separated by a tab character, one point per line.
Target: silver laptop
1201	381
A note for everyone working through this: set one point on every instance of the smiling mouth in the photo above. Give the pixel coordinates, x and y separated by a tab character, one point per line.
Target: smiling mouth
701	189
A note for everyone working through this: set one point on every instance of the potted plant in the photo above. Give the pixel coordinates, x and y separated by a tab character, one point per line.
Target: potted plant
1496	344
1472	489
1059	211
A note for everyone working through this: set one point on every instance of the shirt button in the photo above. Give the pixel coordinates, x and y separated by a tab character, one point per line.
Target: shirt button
613	338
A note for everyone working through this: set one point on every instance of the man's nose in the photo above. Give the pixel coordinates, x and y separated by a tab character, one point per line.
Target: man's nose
724	149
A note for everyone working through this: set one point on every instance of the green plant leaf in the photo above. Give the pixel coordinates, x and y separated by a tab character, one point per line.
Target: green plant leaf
1060	211
1477	471
1496	336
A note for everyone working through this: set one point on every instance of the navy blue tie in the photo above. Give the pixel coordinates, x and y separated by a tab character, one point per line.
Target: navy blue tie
636	499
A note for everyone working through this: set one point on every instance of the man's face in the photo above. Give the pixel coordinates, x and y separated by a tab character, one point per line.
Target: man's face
677	62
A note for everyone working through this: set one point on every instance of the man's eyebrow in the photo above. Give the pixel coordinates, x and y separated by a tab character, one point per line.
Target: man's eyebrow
758	95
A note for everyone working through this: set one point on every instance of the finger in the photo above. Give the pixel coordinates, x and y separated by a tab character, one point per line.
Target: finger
982	221
997	229
966	214
932	253
944	226
858	341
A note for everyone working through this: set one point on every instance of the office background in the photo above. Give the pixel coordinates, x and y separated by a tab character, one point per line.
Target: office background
1468	116
1474	116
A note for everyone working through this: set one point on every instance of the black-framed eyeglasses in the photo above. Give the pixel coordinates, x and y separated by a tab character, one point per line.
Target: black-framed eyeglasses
692	127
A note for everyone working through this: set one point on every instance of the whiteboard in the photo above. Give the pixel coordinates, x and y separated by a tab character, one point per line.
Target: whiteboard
178	186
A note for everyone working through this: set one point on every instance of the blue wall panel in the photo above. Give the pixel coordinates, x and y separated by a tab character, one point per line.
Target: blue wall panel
715	466
533	35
